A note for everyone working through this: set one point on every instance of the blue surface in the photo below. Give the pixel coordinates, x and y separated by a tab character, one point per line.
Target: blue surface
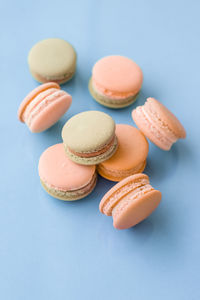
55	250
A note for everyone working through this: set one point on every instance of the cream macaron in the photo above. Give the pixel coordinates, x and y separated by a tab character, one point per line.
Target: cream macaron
52	60
89	137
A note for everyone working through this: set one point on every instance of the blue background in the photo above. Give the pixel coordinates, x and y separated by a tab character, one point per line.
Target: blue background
55	250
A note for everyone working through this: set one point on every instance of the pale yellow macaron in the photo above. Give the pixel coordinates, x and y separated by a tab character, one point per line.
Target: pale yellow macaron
89	137
52	60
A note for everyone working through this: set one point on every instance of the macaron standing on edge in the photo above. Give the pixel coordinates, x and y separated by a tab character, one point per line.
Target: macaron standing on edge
158	124
44	106
130	201
116	81
130	157
52	59
89	137
62	178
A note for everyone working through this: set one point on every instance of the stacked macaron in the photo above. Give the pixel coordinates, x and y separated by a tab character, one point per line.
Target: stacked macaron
68	171
92	143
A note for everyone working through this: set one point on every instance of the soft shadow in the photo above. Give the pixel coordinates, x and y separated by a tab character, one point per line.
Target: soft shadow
92	199
54	132
161	163
157	227
78	80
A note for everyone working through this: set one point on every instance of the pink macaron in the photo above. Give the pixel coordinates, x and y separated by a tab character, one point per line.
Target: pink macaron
116	81
44	106
62	178
158	124
130	201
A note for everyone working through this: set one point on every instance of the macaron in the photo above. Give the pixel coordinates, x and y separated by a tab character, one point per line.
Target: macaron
158	124
130	157
62	178
116	81
130	201
44	106
52	60
89	137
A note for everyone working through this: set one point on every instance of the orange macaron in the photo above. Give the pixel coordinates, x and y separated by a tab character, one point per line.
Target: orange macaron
130	157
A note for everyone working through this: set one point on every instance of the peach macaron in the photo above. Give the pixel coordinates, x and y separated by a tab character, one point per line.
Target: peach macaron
44	106
158	124
130	157
116	81
62	178
130	201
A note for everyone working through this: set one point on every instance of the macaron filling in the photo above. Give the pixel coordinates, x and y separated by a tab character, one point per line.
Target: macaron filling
131	197
54	96
58	79
110	102
98	152
117	95
92	160
35	101
72	192
133	187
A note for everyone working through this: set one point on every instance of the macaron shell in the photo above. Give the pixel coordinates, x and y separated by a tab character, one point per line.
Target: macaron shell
118	74
167	117
117	176
58	171
50	114
132	149
32	95
137	211
52	58
88	131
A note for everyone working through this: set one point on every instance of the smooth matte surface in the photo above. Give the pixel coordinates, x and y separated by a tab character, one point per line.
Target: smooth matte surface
52	59
54	250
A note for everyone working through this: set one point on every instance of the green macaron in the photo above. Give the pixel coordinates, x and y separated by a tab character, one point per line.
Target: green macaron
89	137
52	60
